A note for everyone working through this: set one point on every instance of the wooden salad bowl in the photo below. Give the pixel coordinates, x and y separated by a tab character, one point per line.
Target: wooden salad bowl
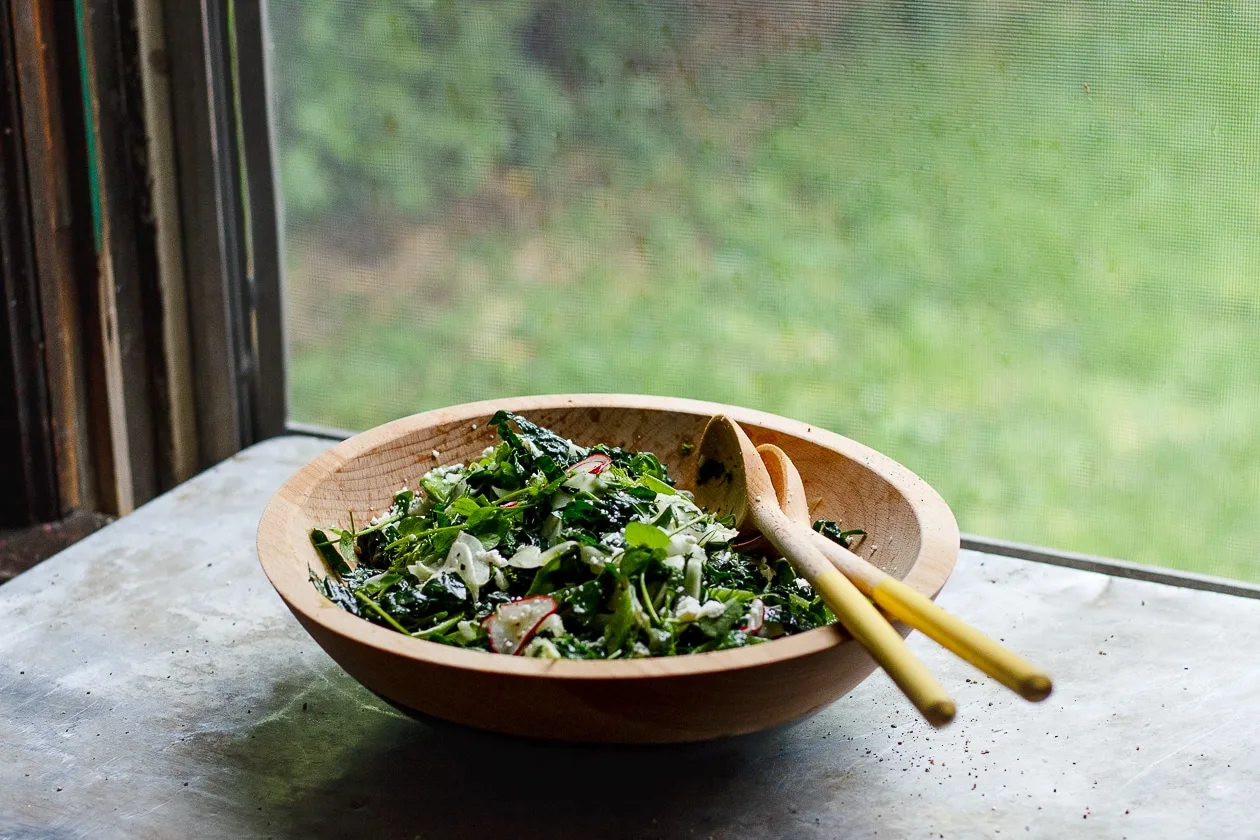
656	700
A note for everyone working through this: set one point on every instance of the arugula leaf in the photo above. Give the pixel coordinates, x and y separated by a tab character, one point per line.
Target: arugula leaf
638	560
464	506
331	552
657	486
402	502
440	543
345	545
640	535
642	491
647	465
439	487
490	525
480	516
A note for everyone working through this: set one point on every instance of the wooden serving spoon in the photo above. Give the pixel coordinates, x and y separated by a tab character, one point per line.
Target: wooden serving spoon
899	600
731	479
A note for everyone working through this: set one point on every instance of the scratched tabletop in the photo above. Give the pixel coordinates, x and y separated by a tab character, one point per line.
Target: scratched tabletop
153	685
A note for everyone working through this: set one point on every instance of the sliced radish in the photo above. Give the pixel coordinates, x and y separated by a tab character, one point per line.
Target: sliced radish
510	504
756	615
511	625
594	464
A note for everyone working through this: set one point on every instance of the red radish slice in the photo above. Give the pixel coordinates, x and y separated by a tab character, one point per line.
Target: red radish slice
512	503
511	625
595	463
756	615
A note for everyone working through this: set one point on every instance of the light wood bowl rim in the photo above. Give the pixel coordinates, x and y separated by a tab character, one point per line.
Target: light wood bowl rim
287	568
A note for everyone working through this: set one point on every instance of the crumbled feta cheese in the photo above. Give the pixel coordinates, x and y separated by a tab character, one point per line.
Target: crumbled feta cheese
690	609
801	584
712	609
467	630
687	608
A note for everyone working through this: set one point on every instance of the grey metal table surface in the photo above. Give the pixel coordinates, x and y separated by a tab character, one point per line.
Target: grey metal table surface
152	684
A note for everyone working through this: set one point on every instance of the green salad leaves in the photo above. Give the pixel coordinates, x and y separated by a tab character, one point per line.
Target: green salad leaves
544	548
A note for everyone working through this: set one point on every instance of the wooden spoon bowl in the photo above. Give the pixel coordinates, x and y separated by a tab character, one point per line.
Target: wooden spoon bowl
683	698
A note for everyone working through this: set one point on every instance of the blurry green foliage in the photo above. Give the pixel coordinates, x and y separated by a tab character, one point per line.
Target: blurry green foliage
1012	245
470	89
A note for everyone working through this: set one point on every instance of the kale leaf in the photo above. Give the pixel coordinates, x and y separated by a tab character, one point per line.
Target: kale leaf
832	531
551	445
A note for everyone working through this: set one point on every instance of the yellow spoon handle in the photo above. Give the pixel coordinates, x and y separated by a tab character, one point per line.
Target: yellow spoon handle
920	612
858	615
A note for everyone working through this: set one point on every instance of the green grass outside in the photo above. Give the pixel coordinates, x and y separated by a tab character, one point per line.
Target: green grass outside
1022	260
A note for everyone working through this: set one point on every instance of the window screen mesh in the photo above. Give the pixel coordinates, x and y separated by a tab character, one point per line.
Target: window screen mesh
1013	245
